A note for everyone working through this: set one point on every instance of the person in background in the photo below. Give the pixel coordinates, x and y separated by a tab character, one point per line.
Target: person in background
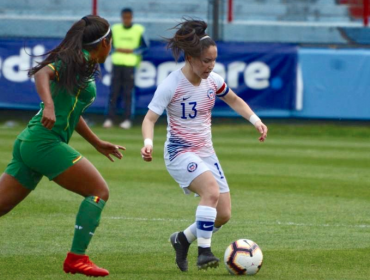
128	43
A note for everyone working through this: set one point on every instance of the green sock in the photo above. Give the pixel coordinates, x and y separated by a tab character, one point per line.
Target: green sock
87	221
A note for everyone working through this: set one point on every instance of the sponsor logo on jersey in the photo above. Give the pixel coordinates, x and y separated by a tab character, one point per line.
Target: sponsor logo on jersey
192	166
211	94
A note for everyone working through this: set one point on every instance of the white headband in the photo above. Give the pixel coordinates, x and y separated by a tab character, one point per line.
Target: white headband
205	37
100	39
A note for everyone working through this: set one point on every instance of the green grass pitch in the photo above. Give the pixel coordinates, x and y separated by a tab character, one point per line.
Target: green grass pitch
303	196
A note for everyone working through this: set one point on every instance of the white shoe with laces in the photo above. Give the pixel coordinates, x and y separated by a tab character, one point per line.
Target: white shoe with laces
108	123
126	124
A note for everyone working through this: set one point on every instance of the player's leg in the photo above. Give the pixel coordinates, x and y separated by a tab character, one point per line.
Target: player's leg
64	165
223	206
205	185
17	181
84	179
193	175
12	192
224	202
223	216
223	211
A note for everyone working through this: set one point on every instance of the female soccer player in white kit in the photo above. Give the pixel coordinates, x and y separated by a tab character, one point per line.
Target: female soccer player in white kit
188	95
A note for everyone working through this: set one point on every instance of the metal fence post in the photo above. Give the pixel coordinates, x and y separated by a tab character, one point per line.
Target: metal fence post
216	20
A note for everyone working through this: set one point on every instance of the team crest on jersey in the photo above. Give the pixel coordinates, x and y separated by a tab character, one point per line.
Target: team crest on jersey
211	94
192	166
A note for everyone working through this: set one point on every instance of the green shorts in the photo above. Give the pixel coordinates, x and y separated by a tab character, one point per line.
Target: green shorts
32	160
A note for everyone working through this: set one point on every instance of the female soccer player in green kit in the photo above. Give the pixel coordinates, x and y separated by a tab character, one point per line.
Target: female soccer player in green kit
66	86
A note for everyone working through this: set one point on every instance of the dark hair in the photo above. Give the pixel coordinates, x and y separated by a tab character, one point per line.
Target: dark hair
127	10
187	39
74	70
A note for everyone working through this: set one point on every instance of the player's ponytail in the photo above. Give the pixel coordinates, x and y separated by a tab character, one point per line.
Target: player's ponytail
73	69
190	39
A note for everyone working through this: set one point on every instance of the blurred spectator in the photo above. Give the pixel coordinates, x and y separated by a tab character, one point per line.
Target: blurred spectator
128	44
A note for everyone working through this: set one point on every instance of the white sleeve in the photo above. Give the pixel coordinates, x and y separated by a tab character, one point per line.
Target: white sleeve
162	97
222	88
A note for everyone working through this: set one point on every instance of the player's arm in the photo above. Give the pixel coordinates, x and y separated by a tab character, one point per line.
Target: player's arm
148	134
42	82
121	50
143	47
243	109
103	147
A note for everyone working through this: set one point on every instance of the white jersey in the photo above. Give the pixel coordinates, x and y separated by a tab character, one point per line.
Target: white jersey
188	112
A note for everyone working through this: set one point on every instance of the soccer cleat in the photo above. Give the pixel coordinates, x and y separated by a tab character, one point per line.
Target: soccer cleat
206	260
181	252
82	264
108	123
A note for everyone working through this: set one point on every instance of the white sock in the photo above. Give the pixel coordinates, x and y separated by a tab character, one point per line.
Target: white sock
205	219
191	232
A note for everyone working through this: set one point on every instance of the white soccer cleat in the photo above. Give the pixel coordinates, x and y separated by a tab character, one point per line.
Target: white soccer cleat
108	123
126	124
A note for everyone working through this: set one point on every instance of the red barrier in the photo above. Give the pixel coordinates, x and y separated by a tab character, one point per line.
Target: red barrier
359	9
230	13
94	7
366	12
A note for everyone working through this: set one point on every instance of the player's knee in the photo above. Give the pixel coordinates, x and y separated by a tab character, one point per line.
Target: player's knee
213	197
213	194
223	218
103	192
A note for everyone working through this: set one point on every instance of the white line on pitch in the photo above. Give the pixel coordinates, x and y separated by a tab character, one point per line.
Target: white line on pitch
234	222
148	219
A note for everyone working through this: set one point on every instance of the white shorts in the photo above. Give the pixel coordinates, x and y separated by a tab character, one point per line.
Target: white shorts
186	167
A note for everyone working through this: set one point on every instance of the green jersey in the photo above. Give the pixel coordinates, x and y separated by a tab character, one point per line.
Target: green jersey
68	109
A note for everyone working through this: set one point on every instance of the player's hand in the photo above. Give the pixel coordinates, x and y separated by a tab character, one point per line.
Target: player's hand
48	116
262	129
146	153
109	149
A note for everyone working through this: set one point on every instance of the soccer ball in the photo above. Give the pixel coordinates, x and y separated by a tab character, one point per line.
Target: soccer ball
243	257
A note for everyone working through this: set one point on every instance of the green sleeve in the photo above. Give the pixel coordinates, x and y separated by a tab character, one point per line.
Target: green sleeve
55	66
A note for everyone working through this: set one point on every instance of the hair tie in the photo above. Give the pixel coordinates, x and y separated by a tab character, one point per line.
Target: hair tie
86	20
100	39
205	37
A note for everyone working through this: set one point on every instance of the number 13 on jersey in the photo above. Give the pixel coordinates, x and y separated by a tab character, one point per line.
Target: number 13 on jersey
193	112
